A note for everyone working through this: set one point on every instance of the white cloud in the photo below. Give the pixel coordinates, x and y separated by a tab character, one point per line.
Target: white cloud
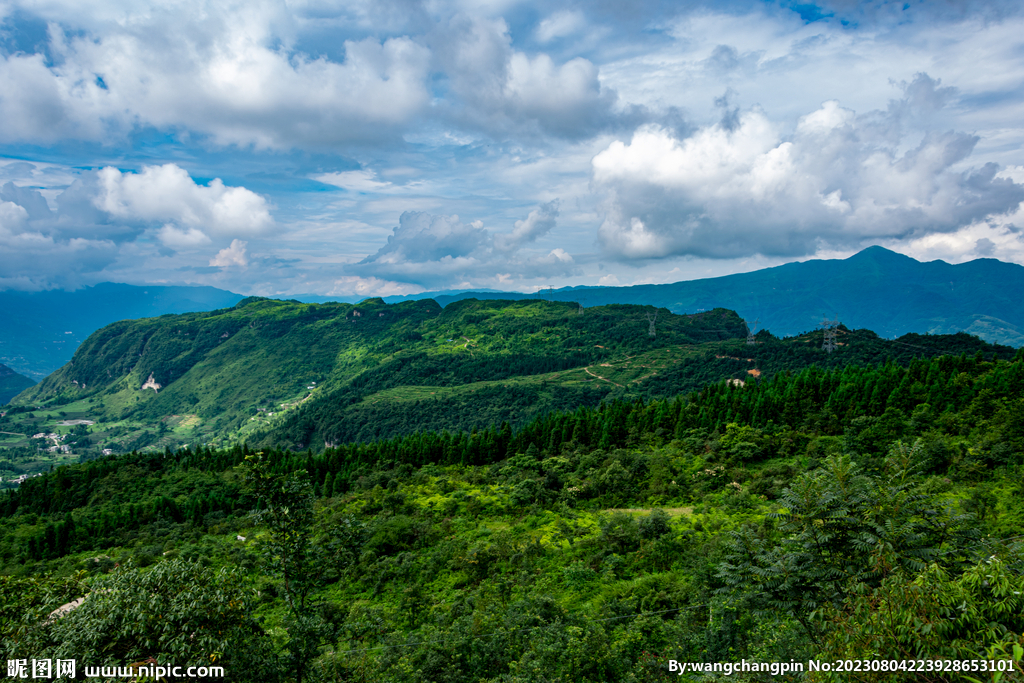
33	260
999	237
357	181
226	71
539	222
353	285
12	216
168	193
838	180
233	255
500	106
501	90
560	25
556	256
434	250
979	240
110	224
421	237
178	238
33	252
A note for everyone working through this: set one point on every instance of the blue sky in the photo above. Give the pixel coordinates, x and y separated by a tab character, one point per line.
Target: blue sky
356	148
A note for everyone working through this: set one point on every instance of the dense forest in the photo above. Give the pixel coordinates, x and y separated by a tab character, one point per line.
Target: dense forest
287	375
865	512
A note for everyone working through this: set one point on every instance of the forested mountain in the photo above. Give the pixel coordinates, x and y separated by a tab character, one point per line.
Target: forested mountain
232	372
286	374
868	512
11	384
876	289
41	330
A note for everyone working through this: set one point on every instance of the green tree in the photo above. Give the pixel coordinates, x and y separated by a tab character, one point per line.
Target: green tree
839	529
25	604
285	508
178	611
978	614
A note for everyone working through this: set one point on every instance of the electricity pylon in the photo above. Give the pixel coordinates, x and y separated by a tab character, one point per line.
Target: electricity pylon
829	326
652	318
751	331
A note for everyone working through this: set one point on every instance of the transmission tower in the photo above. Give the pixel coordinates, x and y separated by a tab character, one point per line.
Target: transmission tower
652	318
579	303
751	331
829	326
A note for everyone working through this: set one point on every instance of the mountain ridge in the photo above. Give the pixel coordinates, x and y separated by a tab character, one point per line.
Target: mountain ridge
277	373
878	289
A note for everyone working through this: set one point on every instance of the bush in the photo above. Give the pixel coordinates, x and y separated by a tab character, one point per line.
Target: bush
655	525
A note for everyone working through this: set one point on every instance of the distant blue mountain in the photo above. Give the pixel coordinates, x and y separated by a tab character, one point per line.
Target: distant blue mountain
876	289
41	330
11	384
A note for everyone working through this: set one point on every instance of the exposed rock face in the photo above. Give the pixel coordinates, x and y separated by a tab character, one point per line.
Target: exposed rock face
152	384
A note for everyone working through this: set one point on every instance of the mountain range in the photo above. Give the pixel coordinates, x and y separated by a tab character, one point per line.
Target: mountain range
289	374
875	289
41	330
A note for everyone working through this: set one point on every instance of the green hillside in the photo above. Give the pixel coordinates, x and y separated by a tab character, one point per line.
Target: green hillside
290	375
869	513
222	374
11	384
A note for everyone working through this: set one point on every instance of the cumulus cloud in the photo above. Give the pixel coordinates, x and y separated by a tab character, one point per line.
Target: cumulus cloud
501	90
26	199
999	237
537	224
422	237
233	255
431	250
356	181
837	181
352	285
559	25
34	255
34	260
178	238
107	215
226	71
168	193
242	75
